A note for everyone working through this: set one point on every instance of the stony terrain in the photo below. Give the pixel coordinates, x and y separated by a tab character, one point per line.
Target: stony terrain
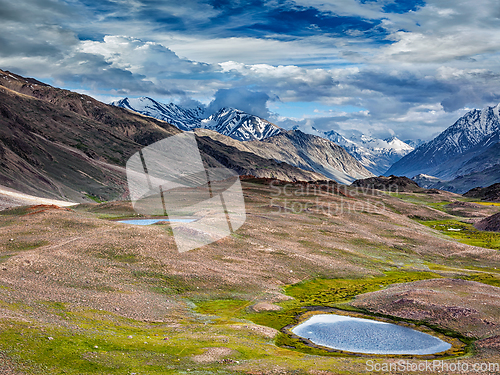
491	223
488	194
81	293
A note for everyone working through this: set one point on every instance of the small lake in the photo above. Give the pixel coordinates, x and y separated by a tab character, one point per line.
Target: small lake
154	221
367	336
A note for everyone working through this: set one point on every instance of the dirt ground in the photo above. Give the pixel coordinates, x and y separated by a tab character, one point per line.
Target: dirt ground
81	258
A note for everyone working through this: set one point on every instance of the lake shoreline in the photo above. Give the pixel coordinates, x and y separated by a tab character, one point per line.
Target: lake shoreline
458	346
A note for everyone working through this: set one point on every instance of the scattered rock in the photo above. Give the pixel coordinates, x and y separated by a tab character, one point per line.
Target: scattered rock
214	354
490	224
265	306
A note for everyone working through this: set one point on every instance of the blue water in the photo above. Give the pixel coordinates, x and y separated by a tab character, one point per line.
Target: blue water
154	221
367	336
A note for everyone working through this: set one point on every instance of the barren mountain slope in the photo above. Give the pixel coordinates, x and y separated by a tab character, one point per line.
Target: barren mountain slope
59	144
301	150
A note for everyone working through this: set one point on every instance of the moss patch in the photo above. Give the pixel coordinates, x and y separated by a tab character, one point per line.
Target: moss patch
329	292
24	245
465	233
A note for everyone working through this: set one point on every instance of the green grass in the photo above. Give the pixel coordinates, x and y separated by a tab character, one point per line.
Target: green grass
316	292
422	199
335	293
165	283
465	233
94	198
101	345
483	275
16	211
99	342
24	245
224	308
118	254
330	292
489	203
485	278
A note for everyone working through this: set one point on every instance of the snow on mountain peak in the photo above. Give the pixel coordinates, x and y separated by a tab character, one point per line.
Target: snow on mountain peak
470	135
376	155
227	121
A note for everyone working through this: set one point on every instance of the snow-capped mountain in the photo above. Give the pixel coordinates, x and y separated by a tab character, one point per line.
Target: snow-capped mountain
376	155
184	119
298	149
414	142
426	181
443	157
227	121
239	125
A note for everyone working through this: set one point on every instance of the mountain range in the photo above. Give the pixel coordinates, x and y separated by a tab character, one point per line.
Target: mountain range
464	156
258	136
376	155
301	150
227	121
55	143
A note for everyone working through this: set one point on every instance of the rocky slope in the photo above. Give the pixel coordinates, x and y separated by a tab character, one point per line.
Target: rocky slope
304	151
59	144
231	122
452	153
490	224
462	184
426	181
487	194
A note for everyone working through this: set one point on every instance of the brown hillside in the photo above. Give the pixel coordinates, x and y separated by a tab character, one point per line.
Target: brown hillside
491	223
55	143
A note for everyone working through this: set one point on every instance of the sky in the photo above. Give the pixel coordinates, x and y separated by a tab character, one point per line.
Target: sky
379	67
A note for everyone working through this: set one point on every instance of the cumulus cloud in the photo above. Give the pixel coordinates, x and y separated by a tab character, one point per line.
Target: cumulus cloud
407	66
253	102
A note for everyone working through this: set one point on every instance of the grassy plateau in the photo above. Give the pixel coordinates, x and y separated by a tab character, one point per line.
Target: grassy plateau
83	294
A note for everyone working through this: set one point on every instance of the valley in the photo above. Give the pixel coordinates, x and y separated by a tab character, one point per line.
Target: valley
84	294
215	187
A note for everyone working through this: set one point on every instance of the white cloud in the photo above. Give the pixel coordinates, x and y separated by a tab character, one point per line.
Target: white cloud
438	59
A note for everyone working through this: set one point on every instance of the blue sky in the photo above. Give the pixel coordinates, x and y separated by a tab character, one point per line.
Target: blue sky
382	67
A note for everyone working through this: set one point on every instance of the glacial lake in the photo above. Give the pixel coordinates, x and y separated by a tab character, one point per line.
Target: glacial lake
367	336
154	221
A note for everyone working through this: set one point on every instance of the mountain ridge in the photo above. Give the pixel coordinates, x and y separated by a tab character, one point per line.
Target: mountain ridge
232	122
376	155
304	151
55	143
443	156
